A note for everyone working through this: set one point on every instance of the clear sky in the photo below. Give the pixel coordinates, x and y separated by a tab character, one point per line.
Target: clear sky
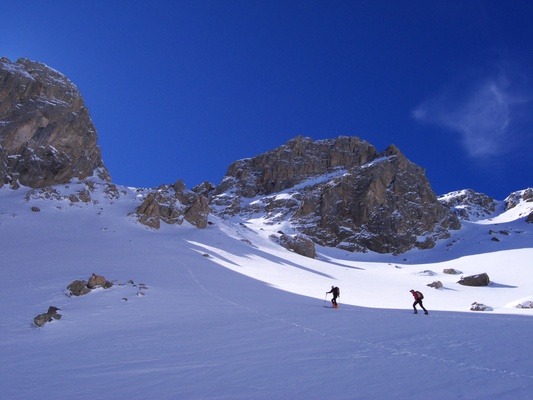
181	89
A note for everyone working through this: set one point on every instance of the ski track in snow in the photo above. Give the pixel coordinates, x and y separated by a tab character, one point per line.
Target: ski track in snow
372	345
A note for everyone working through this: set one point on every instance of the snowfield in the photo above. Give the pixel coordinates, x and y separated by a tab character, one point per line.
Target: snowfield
226	313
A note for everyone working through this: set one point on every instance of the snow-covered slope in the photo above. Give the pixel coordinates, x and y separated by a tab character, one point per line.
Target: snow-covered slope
213	324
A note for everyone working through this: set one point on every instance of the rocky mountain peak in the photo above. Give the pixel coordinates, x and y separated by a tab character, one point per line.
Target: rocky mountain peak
46	133
339	193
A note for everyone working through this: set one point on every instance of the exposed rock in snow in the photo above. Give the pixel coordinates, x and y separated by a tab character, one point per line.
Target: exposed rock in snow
475	280
480	307
172	205
48	316
470	205
299	244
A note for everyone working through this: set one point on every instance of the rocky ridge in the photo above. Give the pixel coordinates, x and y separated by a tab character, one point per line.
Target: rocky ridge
46	134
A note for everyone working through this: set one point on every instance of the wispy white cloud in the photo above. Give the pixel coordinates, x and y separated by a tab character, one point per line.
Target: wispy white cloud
483	112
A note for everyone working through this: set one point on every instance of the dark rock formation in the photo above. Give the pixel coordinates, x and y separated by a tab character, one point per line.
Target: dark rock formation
299	244
48	316
435	284
46	133
205	189
173	205
98	281
339	193
475	280
288	165
78	288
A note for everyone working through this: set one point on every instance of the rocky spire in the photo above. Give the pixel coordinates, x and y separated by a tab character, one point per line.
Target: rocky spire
46	133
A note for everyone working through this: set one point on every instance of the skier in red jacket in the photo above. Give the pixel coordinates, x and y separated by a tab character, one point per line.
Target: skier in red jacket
418	300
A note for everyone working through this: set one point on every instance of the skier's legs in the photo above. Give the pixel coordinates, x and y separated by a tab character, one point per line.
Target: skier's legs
414	306
421	305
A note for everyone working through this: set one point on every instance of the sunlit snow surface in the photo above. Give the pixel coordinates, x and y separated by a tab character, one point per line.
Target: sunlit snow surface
228	314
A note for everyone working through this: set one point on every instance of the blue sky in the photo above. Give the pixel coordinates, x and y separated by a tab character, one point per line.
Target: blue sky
181	89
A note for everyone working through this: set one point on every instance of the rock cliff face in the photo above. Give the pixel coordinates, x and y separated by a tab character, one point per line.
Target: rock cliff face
340	193
46	133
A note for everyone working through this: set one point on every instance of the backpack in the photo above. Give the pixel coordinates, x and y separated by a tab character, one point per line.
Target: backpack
420	295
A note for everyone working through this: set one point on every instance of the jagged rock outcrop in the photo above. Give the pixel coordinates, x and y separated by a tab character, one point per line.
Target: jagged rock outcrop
205	189
46	133
172	205
469	205
299	244
339	193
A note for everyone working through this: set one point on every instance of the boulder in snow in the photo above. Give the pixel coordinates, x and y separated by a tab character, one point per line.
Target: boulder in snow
48	316
98	281
435	284
78	288
451	271
475	280
300	244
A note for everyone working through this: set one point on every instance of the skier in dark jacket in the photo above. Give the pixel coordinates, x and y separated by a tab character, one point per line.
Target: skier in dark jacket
336	293
418	300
